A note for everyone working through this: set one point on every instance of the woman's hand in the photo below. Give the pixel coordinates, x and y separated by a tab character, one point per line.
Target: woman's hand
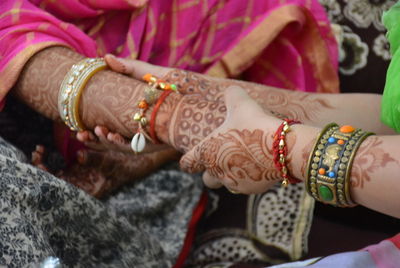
134	68
101	172
238	154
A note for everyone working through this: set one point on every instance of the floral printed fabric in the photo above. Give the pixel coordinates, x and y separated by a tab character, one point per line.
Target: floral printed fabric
364	49
43	216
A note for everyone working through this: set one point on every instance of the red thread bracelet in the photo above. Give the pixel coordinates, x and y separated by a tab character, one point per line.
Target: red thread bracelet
154	114
280	151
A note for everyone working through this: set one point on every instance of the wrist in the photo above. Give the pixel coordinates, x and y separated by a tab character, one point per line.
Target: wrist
165	117
110	100
301	139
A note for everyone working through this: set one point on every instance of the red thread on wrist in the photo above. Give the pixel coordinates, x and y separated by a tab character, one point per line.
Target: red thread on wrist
277	152
154	114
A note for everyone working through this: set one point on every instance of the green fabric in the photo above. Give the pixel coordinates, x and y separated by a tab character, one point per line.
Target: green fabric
390	110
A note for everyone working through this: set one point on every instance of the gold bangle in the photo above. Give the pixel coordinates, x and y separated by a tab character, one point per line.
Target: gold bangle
330	162
71	90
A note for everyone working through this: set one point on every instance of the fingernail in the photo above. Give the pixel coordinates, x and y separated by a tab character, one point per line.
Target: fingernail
81	156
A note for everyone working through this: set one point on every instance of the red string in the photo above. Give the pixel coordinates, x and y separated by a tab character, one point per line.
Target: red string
190	235
276	151
154	114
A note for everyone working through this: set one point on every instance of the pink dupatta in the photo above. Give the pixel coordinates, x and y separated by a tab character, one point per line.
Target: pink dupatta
287	44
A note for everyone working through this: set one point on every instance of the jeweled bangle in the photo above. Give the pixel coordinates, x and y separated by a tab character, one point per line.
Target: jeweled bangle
72	87
330	162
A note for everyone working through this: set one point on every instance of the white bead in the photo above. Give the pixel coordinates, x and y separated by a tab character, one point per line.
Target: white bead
138	142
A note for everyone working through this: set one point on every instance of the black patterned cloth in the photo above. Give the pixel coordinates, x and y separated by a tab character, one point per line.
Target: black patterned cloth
45	220
363	48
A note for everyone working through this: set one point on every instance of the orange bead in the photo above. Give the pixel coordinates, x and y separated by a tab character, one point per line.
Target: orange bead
168	87
347	129
143	104
321	171
147	77
340	142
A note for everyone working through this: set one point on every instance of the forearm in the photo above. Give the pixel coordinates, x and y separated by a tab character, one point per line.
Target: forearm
310	108
374	180
108	99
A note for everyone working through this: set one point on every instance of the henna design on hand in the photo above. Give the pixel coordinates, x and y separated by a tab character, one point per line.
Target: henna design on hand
194	119
237	155
108	99
292	104
41	78
100	173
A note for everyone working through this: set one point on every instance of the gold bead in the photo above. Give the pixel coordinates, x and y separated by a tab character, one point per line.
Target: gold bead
285	183
284	170
281	143
286	127
153	80
143	121
137	117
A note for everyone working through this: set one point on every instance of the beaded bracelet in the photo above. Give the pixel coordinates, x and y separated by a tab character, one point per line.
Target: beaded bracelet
330	162
280	151
152	95
71	90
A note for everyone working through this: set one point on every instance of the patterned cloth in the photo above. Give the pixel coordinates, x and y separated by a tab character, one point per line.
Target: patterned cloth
43	216
288	44
363	47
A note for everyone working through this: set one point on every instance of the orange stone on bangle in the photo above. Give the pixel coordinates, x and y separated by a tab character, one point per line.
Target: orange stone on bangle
346	129
340	142
321	171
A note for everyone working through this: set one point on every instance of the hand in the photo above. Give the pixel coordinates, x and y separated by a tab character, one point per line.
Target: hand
135	68
101	172
188	82
238	154
101	139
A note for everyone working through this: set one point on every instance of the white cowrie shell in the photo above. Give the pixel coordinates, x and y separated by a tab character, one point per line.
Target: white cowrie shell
138	142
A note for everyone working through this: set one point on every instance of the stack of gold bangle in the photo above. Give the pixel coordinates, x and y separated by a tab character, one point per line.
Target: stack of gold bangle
330	162
72	87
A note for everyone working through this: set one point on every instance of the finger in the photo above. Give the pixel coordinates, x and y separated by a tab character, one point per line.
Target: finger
101	133
190	162
210	181
136	69
155	147
90	158
119	142
85	136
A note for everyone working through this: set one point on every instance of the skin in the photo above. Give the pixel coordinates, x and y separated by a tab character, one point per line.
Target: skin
195	123
236	155
243	139
38	87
